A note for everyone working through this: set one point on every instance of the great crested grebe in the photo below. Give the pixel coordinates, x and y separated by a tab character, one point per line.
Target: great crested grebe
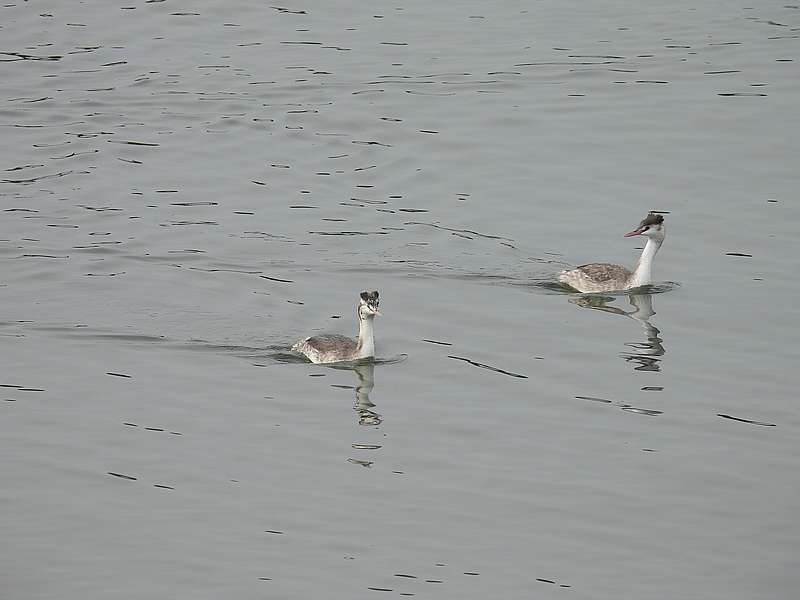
605	277
328	348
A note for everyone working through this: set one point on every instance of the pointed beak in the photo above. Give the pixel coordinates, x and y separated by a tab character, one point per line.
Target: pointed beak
638	231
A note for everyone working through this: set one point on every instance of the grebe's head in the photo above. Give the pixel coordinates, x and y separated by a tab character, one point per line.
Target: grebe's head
368	305
651	226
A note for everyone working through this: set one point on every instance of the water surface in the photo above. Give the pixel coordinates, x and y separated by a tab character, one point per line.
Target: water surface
186	190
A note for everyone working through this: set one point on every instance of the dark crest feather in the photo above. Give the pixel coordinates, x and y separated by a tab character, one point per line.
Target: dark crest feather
370	296
652	219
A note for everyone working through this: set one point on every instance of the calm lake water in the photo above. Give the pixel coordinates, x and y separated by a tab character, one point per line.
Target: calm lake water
188	188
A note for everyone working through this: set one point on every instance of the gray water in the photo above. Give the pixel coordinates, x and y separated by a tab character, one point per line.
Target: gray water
187	188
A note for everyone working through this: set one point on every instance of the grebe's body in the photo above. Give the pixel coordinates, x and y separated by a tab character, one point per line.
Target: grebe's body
330	348
606	277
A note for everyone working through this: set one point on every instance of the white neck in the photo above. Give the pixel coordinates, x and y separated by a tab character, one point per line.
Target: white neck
366	339
643	273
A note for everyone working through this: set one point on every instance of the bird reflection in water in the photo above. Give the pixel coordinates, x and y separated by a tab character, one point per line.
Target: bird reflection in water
646	355
365	373
363	405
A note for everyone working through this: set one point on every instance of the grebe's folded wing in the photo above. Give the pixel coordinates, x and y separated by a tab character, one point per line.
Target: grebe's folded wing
604	272
328	343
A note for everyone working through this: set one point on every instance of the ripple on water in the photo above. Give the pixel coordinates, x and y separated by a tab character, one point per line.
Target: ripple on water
749	421
489	367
